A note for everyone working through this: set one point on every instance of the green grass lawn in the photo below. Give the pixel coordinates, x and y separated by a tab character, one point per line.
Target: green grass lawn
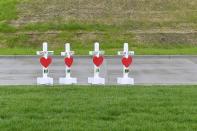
95	108
82	51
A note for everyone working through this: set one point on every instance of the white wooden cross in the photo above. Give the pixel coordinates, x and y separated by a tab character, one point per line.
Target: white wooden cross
67	79
96	79
125	79
45	53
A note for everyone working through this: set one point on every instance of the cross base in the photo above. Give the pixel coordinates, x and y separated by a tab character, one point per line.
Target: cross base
44	81
125	81
67	81
96	80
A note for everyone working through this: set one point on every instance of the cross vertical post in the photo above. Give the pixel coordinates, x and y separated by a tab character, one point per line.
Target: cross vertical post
67	51
45	70
126	54
97	53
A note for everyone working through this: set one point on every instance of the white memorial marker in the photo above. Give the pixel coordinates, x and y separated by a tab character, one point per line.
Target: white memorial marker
68	62
126	61
98	60
45	62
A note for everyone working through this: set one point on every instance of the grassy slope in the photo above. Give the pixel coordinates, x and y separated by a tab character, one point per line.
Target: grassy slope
24	25
96	108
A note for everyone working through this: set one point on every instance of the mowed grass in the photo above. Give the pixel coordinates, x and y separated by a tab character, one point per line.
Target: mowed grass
82	51
95	108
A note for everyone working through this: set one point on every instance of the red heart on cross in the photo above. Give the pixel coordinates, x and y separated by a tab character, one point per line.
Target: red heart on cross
127	61
98	60
45	61
68	61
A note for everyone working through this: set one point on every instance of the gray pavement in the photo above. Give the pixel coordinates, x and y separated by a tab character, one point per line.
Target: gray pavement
146	70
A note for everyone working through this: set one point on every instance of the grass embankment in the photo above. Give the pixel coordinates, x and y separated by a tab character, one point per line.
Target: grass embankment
97	108
25	24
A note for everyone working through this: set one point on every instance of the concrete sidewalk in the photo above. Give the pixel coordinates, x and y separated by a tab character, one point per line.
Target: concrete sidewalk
146	70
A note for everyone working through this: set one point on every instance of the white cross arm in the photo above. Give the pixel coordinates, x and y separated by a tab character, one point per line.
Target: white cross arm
96	52
126	53
45	52
67	53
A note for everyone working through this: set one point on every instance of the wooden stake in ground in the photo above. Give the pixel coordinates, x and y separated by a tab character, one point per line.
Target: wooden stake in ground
126	61
45	61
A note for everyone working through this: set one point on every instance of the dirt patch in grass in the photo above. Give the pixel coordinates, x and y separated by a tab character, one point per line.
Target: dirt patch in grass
167	38
107	11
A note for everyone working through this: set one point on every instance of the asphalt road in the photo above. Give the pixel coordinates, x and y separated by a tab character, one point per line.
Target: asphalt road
146	70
